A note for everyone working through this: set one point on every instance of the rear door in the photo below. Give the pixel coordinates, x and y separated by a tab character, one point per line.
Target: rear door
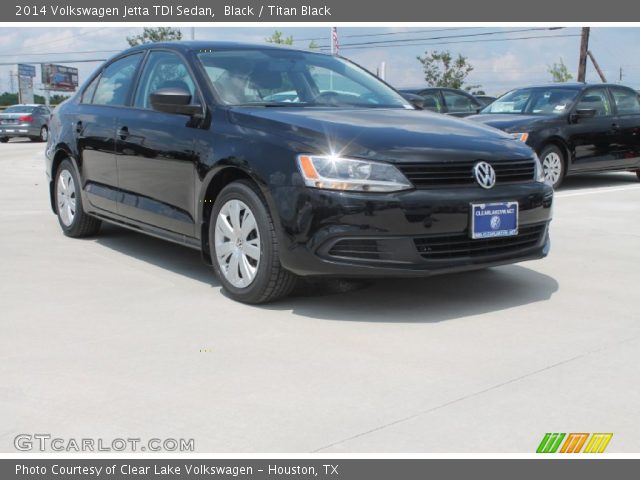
627	103
95	128
155	150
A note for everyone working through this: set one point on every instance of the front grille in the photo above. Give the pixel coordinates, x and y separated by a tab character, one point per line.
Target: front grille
443	174
361	249
443	247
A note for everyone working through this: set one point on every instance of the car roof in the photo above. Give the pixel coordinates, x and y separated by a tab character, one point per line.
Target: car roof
190	45
571	85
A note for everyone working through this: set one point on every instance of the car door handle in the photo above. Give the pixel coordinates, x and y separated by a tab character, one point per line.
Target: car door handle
123	133
615	127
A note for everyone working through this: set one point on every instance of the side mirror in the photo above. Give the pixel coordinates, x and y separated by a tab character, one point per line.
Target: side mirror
583	113
174	100
416	100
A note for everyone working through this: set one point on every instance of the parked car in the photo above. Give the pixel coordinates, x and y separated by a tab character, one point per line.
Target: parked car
176	140
457	103
25	120
485	99
574	128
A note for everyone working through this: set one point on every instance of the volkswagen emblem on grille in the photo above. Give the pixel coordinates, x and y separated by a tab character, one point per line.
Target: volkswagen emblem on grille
485	174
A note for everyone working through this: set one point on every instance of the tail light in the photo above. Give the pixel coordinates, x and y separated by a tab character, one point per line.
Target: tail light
25	118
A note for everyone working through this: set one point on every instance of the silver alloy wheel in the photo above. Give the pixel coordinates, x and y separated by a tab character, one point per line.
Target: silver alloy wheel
237	243
44	134
552	167
66	196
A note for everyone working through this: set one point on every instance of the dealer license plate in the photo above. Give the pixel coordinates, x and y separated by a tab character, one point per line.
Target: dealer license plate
494	219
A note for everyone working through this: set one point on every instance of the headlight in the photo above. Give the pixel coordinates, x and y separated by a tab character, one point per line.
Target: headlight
336	173
539	170
520	136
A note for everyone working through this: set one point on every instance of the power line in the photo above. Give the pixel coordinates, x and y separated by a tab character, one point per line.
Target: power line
408	32
81	34
343	47
56	53
443	37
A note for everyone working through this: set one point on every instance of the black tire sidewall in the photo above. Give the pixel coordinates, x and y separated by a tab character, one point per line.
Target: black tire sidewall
243	191
554	148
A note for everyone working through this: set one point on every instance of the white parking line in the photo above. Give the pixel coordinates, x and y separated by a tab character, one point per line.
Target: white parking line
591	191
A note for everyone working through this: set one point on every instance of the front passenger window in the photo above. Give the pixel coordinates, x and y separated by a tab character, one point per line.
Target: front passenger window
163	70
595	99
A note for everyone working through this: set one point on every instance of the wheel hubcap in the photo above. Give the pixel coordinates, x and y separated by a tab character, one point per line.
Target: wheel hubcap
66	196
237	243
552	167
44	133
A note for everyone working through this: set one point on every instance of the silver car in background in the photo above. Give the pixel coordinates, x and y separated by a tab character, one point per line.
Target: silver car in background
25	120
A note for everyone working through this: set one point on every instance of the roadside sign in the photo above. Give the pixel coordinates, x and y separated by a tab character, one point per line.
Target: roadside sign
59	77
26	70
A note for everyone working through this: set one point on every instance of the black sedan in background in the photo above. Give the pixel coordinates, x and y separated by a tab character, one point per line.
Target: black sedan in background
25	120
187	142
451	101
574	128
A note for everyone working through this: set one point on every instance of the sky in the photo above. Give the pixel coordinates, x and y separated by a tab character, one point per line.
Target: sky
500	61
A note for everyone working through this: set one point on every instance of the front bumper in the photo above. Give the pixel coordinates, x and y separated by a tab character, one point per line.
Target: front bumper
406	234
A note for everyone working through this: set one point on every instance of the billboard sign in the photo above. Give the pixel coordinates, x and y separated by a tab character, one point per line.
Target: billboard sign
59	77
25	86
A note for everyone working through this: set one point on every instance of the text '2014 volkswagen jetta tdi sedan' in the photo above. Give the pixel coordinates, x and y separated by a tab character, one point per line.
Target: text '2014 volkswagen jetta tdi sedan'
278	163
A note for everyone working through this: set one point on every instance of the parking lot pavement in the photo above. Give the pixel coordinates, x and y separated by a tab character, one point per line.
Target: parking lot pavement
128	336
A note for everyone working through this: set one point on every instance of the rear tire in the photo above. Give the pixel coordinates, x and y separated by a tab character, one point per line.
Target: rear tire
638	174
4	139
244	246
554	165
72	217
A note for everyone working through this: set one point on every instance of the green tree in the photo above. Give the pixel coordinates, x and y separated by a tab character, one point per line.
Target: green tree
559	72
313	45
151	35
442	70
279	38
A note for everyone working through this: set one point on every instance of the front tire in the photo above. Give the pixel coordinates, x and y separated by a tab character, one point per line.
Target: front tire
553	165
244	246
71	216
44	134
4	139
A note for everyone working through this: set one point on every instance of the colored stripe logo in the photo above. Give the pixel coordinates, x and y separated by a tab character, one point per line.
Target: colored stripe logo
573	443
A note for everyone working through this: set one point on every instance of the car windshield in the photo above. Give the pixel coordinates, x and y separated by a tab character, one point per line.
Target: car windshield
545	101
286	78
19	109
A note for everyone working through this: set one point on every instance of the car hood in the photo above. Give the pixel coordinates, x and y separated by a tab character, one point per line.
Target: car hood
395	135
511	122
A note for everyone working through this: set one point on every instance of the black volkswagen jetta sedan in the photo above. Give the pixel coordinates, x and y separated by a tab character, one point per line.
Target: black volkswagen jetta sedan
574	127
277	163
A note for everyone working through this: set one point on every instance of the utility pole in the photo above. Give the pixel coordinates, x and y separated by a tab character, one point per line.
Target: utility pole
620	74
193	33
584	47
595	64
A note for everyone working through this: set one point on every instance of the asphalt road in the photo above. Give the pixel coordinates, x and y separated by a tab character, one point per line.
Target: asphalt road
127	336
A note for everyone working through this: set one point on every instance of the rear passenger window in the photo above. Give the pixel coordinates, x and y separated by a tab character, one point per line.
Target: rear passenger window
627	101
163	70
116	80
87	95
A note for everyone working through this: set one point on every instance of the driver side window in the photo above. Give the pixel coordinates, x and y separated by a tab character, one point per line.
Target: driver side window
163	70
595	99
